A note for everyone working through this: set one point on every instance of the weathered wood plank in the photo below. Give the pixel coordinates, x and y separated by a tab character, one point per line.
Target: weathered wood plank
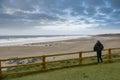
20	58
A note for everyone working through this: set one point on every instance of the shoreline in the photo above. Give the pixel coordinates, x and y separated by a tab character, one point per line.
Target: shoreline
57	47
22	41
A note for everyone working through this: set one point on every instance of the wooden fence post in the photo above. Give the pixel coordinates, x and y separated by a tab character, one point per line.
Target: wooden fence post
80	57
44	63
109	55
0	70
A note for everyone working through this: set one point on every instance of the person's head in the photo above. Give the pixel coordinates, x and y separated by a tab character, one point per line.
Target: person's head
98	41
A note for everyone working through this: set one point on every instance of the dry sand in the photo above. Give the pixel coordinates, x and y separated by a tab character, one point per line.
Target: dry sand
57	47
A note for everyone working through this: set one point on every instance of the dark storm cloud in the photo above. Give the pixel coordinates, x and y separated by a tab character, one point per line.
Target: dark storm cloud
16	24
115	3
19	4
116	14
105	10
90	11
41	16
94	3
62	4
11	17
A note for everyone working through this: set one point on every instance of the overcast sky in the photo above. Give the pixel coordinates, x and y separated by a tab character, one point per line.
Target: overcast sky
59	17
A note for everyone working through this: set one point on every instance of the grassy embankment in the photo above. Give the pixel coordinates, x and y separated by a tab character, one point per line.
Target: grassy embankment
108	71
105	71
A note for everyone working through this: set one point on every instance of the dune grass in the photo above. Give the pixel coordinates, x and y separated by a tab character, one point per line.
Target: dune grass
106	71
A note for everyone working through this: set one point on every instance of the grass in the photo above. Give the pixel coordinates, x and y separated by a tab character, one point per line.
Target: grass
107	71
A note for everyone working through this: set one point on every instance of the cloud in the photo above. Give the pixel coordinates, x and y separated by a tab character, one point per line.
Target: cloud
94	3
59	15
115	3
90	11
67	26
116	14
105	10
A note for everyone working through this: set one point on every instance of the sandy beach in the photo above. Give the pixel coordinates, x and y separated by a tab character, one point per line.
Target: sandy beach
57	47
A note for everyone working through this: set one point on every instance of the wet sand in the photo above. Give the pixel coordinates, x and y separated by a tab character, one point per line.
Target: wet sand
57	47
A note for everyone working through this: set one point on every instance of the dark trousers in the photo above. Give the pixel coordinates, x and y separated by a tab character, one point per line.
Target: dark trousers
99	58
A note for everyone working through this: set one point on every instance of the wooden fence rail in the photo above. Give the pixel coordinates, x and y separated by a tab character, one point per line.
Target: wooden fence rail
44	62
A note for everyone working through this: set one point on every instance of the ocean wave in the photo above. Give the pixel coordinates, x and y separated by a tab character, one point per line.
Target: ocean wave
23	41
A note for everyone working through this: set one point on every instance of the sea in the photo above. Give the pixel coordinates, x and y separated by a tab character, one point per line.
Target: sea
12	40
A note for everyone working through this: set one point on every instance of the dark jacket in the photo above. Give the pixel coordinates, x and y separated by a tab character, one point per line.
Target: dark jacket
98	46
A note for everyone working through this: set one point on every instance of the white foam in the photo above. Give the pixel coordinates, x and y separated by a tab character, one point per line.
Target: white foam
22	41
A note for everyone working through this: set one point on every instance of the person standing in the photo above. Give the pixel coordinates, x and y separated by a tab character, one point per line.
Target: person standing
98	47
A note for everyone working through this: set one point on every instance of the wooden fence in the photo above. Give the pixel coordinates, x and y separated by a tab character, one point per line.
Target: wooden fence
43	62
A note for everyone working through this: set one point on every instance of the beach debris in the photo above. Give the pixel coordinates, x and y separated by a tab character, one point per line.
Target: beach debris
10	69
15	61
